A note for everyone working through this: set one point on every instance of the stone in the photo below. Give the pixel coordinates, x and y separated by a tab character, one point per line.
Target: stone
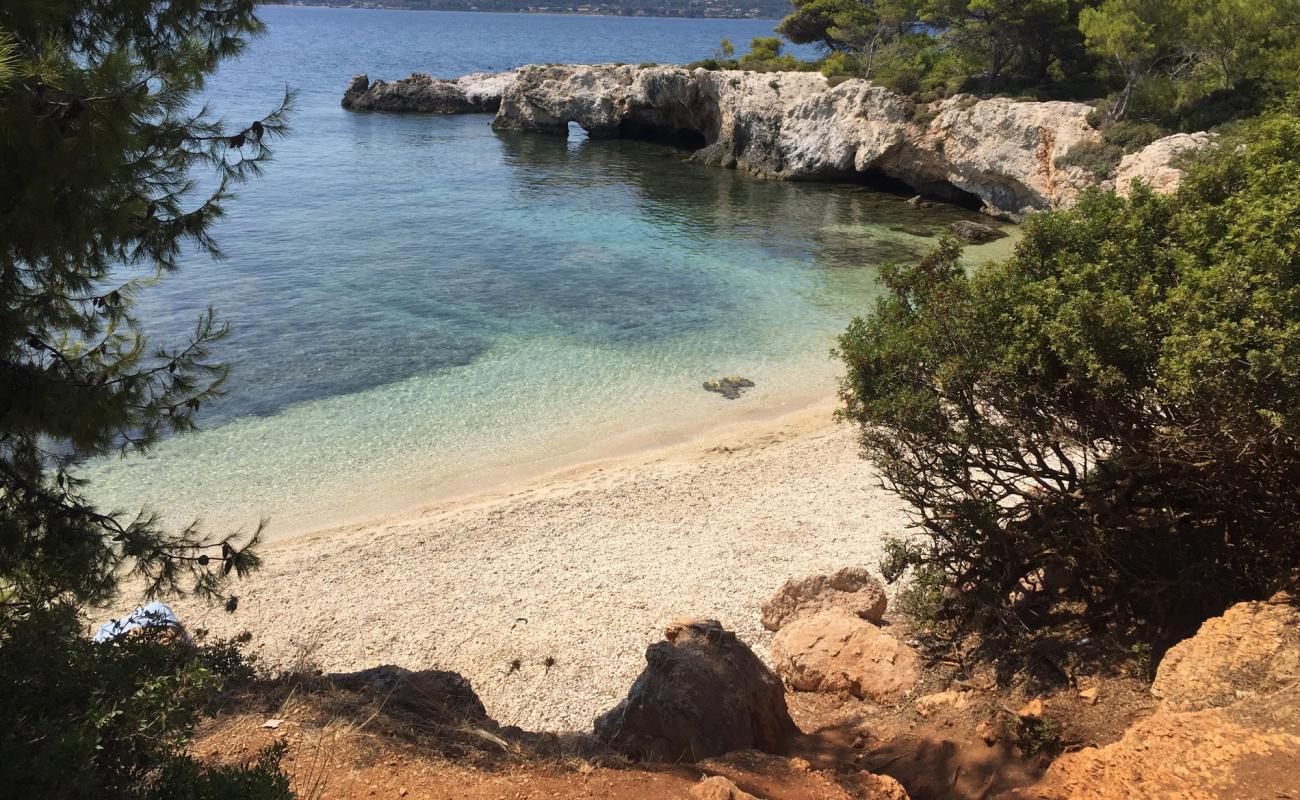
835	650
702	693
447	697
716	787
932	703
1031	710
1228	726
477	93
1252	649
1090	695
796	778
974	232
853	589
1155	163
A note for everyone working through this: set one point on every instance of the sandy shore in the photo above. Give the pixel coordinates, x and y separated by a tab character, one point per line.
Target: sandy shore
583	566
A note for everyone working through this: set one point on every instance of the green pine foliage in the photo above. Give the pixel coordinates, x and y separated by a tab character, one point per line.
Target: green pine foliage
111	176
1117	405
101	160
1185	64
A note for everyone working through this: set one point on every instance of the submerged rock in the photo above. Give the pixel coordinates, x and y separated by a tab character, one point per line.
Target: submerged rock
974	232
729	387
479	92
702	693
852	589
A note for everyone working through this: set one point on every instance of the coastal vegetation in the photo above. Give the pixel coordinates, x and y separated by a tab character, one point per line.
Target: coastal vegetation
102	159
1104	427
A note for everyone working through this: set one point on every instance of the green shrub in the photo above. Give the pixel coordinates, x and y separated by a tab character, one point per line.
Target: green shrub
1117	404
1132	136
86	720
1099	158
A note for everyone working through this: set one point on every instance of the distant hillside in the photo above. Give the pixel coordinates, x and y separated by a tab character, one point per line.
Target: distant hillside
752	9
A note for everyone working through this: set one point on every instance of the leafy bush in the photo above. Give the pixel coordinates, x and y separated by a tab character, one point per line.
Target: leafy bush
1100	158
86	720
1132	136
1118	404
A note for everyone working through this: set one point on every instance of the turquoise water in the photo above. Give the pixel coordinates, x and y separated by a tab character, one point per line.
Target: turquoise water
420	303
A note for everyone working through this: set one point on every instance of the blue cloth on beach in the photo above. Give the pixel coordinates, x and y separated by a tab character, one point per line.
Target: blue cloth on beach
153	615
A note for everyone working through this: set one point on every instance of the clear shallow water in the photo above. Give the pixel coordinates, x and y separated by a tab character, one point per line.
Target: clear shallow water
419	301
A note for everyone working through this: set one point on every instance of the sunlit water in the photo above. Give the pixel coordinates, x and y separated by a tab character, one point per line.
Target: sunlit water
419	302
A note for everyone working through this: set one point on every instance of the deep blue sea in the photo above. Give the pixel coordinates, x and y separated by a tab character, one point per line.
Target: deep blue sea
420	304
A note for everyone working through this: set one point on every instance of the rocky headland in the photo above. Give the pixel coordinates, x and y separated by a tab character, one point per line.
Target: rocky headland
999	154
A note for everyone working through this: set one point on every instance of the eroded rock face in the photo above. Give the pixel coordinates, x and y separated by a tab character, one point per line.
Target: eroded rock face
1155	163
834	651
853	589
1229	724
796	125
998	153
1252	650
702	693
477	93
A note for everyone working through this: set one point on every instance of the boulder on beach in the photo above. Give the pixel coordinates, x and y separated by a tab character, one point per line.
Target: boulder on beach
702	693
837	651
853	589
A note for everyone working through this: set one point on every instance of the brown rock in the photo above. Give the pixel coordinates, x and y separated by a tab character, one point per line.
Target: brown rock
717	787
1253	648
931	703
1229	726
834	650
853	589
1247	750
1031	710
791	778
702	693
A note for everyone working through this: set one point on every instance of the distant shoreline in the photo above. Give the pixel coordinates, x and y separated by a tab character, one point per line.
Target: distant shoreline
541	11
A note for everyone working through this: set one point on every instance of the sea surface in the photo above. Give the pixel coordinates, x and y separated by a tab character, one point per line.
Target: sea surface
420	304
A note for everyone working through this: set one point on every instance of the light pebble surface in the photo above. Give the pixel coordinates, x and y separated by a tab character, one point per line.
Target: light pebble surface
584	566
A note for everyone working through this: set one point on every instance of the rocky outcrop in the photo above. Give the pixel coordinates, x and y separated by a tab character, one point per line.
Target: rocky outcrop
852	589
477	93
836	651
702	693
1252	650
1229	724
998	154
1156	163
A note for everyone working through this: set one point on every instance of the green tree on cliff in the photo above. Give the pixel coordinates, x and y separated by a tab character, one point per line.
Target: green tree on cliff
103	157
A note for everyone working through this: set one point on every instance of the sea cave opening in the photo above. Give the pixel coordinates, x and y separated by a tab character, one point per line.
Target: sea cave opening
682	138
878	181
